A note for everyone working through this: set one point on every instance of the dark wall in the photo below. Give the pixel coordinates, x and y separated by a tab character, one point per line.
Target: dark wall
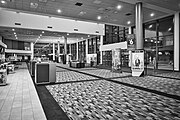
17	45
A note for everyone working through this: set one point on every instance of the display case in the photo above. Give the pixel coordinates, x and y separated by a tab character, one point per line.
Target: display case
3	76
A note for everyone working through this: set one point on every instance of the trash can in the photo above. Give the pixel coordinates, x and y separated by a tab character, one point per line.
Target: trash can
45	73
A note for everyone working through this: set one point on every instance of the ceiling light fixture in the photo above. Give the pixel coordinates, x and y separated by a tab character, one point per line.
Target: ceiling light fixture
13	29
67	33
118	7
42	31
59	11
150	26
170	29
14	32
128	22
99	17
3	2
152	14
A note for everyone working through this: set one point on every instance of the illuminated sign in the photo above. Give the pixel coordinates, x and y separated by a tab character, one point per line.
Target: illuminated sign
131	41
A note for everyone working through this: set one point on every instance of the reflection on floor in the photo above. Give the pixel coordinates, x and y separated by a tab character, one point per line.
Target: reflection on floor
99	100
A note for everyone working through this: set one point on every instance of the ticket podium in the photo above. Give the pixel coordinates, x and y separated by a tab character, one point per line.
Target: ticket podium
45	73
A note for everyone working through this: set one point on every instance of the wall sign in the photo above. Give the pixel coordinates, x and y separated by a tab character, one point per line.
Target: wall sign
131	41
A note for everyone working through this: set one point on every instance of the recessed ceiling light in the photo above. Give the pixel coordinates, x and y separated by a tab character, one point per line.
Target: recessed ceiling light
33	5
118	7
3	2
42	31
170	29
40	35
13	29
97	2
128	22
14	32
98	17
67	33
150	26
82	13
88	35
152	14
59	10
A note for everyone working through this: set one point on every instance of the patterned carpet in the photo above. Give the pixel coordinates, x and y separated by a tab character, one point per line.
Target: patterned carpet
107	73
104	100
93	99
170	74
70	76
169	86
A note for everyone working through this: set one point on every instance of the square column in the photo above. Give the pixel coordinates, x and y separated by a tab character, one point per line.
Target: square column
176	41
58	52
77	51
53	51
86	48
101	44
32	50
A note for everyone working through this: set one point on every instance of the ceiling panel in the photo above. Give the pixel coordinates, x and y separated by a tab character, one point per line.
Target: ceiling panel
89	11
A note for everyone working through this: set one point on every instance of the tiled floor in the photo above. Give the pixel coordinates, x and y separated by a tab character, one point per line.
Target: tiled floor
19	99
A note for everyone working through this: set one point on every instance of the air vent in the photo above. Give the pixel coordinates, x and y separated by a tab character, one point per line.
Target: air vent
10	0
128	14
42	0
75	29
49	27
79	4
97	31
17	23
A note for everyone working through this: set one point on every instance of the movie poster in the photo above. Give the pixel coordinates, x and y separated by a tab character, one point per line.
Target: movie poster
116	60
137	60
